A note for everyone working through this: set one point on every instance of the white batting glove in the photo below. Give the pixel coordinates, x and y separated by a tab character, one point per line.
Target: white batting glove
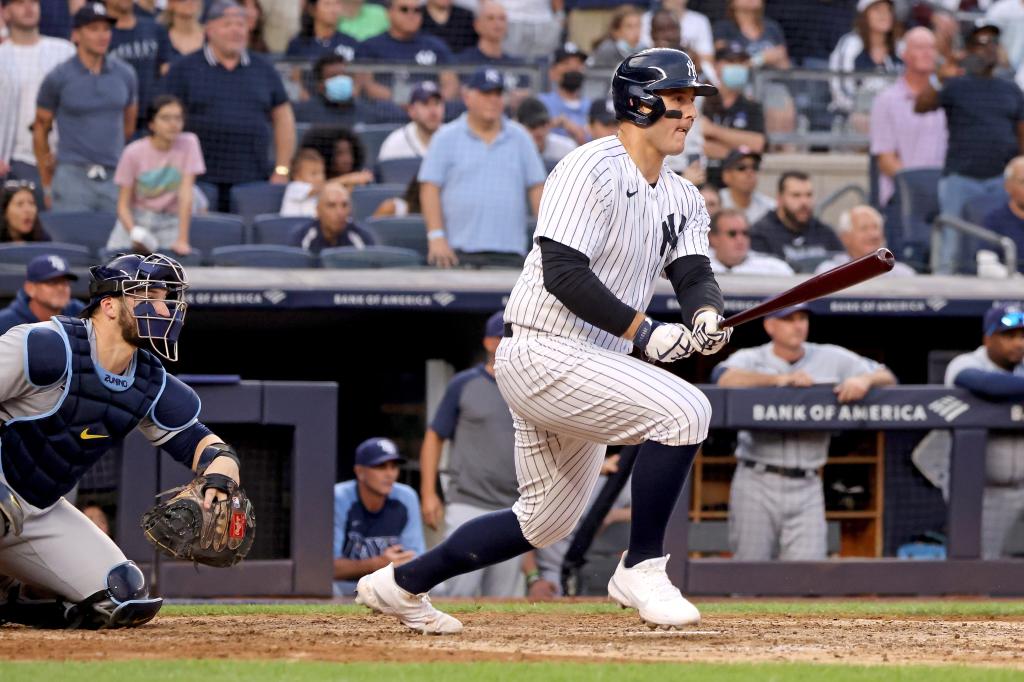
664	342
708	337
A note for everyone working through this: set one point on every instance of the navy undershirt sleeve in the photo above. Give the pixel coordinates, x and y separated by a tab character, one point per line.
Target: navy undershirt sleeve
992	385
695	285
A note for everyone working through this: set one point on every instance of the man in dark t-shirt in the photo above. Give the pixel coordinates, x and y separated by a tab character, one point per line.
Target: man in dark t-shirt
450	23
731	121
791	232
333	225
143	44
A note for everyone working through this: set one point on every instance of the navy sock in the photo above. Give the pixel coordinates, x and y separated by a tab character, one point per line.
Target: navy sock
484	541
658	478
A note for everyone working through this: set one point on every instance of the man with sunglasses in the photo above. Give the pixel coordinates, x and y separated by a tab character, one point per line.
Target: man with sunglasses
995	371
739	174
730	239
46	292
70	390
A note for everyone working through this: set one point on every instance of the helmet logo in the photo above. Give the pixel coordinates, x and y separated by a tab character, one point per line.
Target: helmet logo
692	69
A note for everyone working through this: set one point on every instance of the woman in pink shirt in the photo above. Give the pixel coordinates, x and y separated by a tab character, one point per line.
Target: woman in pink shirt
156	175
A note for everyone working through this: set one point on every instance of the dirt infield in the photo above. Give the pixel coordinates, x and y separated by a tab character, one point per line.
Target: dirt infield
517	637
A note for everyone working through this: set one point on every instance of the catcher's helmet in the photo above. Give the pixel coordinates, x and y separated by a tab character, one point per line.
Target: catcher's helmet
133	276
638	79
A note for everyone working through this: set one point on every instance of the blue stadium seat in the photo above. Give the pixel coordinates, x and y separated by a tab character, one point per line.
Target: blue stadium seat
252	199
367	198
262	256
209	231
398	171
370	257
977	209
18	253
87	228
409	232
917	197
272	228
372	136
193	259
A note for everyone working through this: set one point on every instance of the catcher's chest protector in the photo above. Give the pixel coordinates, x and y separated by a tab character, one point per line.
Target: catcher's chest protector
44	456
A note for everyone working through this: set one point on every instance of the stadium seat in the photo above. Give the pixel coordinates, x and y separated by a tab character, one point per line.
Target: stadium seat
372	136
262	256
193	259
398	171
367	198
977	209
209	231
86	228
272	228
19	253
370	257
255	198
917	194
409	232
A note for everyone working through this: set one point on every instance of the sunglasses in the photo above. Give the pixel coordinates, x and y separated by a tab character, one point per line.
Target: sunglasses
732	234
409	10
13	185
744	167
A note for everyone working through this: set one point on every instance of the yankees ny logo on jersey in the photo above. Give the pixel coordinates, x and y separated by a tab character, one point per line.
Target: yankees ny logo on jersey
669	236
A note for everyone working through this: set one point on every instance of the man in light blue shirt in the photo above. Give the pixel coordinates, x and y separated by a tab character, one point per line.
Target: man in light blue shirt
480	177
376	520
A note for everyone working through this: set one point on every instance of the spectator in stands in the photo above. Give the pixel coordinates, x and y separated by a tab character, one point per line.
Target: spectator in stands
862	231
480	178
338	100
184	29
450	23
406	42
362	20
491	25
426	114
746	28
282	19
343	152
19	215
156	176
739	173
731	121
869	47
985	117
45	293
1008	15
333	225
254	25
601	121
319	34
776	501
812	28
730	239
534	28
565	103
236	103
397	207
694	28
25	59
534	116
55	18
665	31
376	520
622	39
308	176
1008	219
900	138
791	232
91	137
995	371
143	44
95	513
712	198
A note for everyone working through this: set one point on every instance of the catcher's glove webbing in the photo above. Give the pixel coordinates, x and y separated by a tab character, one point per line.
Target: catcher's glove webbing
219	536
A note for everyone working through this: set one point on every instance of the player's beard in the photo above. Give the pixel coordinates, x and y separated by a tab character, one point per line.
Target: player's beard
129	326
791	218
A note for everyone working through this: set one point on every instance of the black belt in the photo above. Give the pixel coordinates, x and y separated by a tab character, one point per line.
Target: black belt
508	330
788	472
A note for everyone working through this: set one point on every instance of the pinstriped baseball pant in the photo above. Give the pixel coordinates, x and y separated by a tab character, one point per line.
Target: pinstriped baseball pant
569	399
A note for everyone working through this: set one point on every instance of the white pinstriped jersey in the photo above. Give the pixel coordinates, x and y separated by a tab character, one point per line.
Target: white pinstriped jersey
597	202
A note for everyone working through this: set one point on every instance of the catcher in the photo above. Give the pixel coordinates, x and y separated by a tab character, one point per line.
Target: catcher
71	389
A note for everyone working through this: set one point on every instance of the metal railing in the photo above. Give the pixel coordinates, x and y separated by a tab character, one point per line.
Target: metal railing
1008	246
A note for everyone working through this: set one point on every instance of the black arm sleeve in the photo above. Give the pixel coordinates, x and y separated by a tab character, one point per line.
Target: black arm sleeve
568	277
695	285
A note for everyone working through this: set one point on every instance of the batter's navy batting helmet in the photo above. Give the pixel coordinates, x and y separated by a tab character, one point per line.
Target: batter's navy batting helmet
638	79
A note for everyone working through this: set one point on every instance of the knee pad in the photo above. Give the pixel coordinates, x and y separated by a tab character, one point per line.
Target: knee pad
125	602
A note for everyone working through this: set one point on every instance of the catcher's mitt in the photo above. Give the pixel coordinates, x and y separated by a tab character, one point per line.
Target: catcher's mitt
219	536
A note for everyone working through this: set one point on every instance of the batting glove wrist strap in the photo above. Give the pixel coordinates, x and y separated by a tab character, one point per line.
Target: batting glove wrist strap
643	333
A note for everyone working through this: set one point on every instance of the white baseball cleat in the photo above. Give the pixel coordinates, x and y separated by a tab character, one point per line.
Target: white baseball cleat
646	588
380	592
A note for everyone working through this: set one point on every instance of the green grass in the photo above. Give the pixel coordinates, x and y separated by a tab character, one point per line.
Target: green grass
248	671
803	607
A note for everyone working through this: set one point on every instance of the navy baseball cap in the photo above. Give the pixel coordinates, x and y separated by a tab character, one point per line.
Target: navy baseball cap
737	155
47	267
376	451
602	111
487	79
569	51
1003	318
91	12
495	325
222	8
786	312
423	91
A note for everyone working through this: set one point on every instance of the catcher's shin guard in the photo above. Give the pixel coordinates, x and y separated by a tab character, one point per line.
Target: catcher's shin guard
124	603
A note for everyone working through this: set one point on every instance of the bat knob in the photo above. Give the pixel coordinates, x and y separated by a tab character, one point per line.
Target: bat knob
885	255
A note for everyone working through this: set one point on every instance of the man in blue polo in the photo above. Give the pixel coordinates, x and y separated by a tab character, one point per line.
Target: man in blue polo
480	180
46	292
93	98
234	101
376	519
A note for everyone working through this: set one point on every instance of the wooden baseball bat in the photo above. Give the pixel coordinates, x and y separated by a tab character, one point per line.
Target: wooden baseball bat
836	279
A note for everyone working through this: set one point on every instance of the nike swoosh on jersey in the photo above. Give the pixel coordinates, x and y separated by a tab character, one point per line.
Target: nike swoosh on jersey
630	195
85	435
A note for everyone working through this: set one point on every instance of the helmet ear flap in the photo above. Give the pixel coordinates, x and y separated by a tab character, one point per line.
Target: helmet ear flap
638	98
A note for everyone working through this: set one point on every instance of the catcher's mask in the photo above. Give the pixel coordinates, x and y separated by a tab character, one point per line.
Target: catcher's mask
148	282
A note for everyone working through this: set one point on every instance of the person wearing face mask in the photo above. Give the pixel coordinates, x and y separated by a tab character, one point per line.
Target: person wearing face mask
568	108
731	120
338	101
620	41
985	117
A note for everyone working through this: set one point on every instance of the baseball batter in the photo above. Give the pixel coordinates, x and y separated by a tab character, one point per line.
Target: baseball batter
613	219
71	389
